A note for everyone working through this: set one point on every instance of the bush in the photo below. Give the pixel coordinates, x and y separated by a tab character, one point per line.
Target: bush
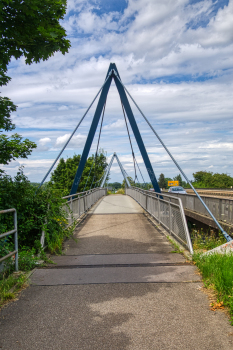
121	191
36	212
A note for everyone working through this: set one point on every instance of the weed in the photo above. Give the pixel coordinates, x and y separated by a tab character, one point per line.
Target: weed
217	272
206	241
177	247
7	283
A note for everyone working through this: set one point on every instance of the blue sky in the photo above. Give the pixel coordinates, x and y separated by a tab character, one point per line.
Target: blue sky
176	59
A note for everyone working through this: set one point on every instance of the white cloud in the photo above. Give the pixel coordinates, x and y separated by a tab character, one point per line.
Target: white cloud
76	141
44	141
153	44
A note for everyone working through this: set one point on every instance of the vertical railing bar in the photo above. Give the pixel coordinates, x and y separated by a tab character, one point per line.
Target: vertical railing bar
16	241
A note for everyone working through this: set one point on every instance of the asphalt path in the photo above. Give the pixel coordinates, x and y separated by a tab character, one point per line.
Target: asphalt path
118	286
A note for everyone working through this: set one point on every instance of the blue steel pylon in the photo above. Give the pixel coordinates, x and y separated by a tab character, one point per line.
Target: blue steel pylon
95	121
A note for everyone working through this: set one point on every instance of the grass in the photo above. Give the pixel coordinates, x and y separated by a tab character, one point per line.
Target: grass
217	273
16	280
27	261
216	269
177	247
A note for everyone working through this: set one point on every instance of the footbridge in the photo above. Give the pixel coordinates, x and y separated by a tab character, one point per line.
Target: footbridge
119	284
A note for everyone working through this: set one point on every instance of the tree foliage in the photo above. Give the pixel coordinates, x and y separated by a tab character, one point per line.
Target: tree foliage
179	178
28	28
31	28
63	176
207	179
162	182
131	181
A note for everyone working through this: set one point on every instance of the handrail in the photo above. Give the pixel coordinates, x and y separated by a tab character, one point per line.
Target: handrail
15	232
169	214
76	207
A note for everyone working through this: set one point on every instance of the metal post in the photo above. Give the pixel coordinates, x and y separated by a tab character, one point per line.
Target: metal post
16	241
158	209
135	129
170	218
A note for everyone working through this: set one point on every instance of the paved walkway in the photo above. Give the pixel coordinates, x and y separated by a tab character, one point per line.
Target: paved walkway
119	287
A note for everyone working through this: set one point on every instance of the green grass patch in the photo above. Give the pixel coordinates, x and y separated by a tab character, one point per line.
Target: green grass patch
16	280
217	272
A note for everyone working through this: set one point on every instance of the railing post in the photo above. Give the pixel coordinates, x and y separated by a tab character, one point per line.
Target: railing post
16	241
170	217
71	204
159	209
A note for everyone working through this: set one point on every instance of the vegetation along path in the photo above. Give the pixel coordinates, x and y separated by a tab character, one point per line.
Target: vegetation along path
118	286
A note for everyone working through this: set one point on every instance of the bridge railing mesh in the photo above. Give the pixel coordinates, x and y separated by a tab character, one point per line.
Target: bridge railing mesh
165	209
79	203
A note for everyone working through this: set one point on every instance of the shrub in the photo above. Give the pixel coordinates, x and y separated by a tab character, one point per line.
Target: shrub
121	191
36	212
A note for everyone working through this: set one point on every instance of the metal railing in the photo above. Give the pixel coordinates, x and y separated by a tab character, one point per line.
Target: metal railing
6	234
167	210
80	203
221	208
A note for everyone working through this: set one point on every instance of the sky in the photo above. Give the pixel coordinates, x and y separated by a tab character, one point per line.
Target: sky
174	57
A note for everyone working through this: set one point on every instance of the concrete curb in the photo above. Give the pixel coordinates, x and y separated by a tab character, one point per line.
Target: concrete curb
226	248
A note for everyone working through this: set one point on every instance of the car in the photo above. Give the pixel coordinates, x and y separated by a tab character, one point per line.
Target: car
177	189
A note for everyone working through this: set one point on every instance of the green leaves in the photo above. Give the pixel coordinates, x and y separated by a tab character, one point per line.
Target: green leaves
28	28
14	147
206	179
31	29
63	176
6	107
36	212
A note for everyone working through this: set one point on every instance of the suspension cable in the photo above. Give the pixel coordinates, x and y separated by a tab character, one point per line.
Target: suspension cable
225	234
97	148
129	142
140	171
60	153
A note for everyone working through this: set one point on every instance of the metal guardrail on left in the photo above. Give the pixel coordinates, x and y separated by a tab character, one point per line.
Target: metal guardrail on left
15	252
168	212
79	203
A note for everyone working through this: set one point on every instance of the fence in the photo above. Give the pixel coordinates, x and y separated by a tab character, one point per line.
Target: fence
6	234
80	203
221	208
168	211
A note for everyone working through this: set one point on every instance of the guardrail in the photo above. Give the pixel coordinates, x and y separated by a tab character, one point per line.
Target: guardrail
6	234
168	211
221	208
80	203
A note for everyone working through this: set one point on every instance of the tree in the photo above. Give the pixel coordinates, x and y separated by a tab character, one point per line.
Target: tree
28	28
179	178
162	182
206	179
131	181
63	176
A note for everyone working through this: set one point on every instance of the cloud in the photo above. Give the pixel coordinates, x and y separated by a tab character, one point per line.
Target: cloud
76	141
175	57
44	140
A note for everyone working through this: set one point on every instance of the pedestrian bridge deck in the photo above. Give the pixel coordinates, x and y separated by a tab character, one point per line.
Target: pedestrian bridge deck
118	286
